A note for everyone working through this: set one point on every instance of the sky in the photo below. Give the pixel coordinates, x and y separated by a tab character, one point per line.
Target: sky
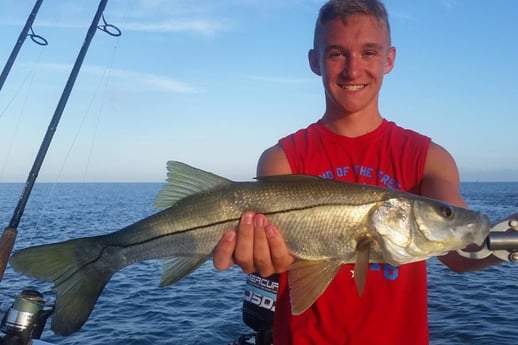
215	83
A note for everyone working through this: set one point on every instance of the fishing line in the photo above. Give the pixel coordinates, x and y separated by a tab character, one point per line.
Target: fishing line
18	91
107	75
42	211
100	89
25	83
112	31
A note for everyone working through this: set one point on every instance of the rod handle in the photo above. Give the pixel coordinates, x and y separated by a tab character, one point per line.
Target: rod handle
6	247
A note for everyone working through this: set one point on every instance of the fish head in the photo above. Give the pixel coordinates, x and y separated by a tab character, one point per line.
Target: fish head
417	229
451	226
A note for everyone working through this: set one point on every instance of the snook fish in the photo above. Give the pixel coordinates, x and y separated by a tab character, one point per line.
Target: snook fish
325	224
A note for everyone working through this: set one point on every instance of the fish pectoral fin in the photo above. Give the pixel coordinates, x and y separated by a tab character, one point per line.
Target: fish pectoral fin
361	267
177	268
308	280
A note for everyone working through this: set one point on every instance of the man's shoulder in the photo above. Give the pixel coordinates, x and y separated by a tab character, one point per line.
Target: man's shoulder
315	126
395	128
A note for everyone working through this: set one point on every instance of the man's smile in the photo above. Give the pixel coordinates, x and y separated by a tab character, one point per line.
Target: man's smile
355	87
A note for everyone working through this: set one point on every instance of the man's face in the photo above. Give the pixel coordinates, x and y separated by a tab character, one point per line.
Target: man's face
352	60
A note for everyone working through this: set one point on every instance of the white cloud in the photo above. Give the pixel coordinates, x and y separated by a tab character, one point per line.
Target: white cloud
154	82
205	27
167	84
449	4
157	82
281	80
147	16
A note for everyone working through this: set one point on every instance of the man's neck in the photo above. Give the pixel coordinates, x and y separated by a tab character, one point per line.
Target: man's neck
352	125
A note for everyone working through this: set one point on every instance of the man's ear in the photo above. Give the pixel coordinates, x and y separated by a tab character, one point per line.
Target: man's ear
391	59
313	62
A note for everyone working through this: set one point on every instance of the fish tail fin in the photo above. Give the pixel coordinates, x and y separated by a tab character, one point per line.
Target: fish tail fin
78	278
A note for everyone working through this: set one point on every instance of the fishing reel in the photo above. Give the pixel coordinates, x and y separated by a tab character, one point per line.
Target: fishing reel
501	242
25	319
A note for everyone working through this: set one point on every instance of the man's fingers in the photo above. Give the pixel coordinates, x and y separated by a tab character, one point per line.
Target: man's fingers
262	258
244	252
281	258
256	246
223	254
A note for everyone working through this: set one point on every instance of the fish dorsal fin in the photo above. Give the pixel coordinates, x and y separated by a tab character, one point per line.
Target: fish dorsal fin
288	178
308	280
184	180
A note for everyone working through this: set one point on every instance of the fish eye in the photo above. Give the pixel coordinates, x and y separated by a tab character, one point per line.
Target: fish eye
446	211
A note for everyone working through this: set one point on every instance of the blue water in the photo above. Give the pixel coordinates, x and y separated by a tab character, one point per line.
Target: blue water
205	308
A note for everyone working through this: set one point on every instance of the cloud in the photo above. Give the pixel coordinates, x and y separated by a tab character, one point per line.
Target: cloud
449	4
198	26
279	80
489	175
145	16
154	82
167	84
205	27
403	16
170	16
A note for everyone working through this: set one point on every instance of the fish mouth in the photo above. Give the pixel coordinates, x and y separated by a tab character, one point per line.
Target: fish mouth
474	233
482	231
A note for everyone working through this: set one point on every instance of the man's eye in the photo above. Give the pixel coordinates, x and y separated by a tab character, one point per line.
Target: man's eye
370	53
335	54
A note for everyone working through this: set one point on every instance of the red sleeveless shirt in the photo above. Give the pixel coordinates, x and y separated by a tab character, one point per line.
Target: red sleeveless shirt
393	306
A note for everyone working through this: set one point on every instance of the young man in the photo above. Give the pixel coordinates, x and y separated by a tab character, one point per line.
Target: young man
352	142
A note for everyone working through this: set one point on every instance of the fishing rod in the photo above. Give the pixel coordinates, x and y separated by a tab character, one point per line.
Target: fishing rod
21	39
9	235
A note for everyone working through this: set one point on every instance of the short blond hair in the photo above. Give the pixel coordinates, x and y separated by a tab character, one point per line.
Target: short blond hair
347	8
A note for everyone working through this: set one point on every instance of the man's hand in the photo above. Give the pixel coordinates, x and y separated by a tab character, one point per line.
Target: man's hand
256	246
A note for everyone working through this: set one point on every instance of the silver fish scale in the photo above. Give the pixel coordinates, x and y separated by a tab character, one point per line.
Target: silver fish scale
326	232
317	219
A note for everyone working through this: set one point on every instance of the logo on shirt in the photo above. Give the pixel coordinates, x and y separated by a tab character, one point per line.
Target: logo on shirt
389	272
362	173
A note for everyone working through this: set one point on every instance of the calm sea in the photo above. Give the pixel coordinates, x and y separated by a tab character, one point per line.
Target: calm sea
205	308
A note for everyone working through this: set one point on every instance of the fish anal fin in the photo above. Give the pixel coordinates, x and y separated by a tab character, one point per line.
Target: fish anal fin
361	267
308	280
177	268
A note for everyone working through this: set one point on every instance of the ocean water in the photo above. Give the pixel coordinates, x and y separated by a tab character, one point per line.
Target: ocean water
205	308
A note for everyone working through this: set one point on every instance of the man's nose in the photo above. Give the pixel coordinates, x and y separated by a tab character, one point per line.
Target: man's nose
352	67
